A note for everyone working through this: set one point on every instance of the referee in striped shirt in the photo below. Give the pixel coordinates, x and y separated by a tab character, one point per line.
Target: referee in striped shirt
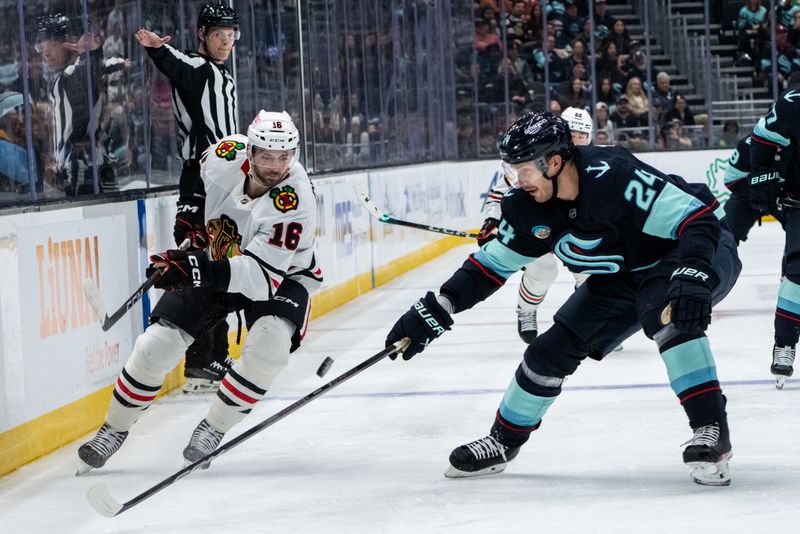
204	104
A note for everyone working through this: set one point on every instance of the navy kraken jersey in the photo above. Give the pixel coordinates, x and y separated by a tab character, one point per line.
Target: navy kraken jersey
777	131
738	164
627	217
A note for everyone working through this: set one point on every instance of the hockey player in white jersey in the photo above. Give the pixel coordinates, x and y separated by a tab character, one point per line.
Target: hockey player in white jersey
540	274
260	214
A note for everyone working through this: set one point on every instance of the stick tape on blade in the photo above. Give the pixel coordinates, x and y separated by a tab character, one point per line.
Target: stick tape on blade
92	293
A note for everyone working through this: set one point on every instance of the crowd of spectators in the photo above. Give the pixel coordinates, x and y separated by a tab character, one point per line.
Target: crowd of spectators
755	40
516	39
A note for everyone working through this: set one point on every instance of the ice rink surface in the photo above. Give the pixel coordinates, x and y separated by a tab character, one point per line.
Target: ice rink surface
370	456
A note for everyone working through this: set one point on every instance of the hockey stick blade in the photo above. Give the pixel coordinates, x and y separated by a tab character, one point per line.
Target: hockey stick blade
92	293
102	501
383	217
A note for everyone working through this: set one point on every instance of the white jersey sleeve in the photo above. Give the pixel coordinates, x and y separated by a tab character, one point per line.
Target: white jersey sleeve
494	198
264	239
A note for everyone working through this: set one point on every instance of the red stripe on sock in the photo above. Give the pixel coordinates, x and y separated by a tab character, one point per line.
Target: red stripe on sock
230	387
527	295
133	395
696	393
511	426
787	317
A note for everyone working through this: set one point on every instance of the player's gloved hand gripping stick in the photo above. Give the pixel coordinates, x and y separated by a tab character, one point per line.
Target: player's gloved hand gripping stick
92	293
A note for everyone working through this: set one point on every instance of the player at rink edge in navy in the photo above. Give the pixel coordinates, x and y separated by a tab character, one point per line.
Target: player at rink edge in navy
650	239
774	188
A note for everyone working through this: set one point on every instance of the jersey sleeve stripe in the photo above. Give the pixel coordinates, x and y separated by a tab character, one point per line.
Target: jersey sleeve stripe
485	272
264	264
670	212
761	134
685	223
501	259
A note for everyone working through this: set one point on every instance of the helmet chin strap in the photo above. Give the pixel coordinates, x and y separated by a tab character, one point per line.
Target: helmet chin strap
554	178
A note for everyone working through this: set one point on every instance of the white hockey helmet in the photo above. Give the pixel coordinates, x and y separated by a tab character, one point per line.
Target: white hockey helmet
578	121
271	130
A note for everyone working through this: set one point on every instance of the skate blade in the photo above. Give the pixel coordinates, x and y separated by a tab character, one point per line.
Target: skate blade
453	472
617	349
711	474
199	386
780	380
83	468
187	463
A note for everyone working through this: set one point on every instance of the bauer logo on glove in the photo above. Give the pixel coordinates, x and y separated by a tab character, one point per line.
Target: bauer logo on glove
766	177
429	319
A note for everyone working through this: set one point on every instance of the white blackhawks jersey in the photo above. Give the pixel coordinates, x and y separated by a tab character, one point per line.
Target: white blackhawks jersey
266	239
495	197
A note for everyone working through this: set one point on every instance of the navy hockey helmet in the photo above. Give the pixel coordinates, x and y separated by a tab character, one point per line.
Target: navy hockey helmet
534	137
218	15
55	27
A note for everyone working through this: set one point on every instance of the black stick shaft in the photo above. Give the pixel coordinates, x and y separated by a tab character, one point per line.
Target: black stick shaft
112	319
262	425
458	233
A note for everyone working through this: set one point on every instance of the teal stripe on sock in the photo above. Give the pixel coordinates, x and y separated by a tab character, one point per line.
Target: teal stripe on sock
789	296
521	408
689	364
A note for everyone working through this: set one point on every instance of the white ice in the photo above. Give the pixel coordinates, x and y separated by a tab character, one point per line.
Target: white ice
369	456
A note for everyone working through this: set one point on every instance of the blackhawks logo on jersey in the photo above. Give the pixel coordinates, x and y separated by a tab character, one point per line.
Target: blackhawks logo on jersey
284	199
224	238
227	149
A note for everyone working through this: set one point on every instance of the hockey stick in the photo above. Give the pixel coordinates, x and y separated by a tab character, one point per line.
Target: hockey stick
376	212
92	293
102	501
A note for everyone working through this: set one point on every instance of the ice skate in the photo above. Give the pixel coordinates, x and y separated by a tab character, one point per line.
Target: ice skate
98	450
708	453
205	379
205	439
526	325
485	456
782	362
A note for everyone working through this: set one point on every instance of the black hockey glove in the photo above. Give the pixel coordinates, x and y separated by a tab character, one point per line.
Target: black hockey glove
424	322
690	298
488	231
189	224
181	270
764	189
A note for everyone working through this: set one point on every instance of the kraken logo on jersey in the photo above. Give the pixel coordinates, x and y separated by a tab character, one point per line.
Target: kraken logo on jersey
541	232
227	149
284	199
224	238
573	251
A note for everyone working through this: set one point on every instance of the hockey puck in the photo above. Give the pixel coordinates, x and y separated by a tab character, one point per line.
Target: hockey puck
325	366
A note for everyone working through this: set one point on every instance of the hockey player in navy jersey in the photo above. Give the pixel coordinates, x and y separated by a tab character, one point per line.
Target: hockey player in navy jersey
649	239
540	274
261	217
739	213
774	188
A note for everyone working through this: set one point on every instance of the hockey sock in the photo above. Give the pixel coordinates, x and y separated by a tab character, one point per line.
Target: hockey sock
787	314
693	377
155	352
539	275
265	354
